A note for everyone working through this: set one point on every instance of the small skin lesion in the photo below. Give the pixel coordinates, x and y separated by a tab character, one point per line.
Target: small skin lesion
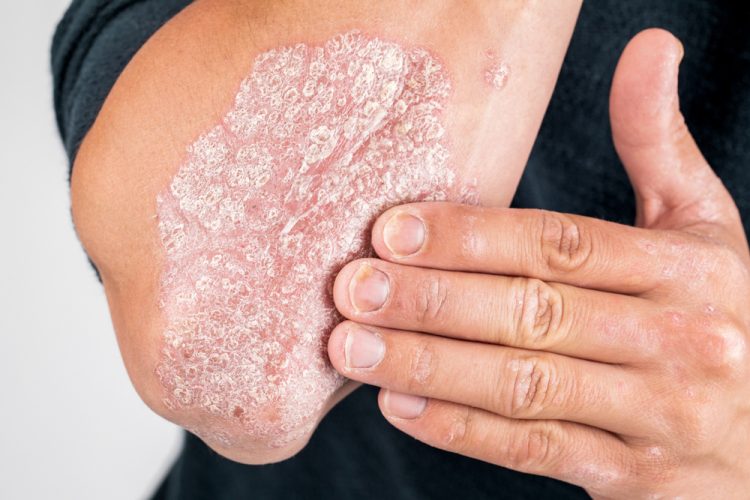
422	365
497	71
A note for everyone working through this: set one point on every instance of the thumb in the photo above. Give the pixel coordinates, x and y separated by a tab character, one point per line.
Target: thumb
674	185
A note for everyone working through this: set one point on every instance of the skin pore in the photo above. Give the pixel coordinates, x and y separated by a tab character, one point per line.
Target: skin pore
177	170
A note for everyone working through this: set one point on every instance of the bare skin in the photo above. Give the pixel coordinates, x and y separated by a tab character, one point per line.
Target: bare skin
183	81
616	359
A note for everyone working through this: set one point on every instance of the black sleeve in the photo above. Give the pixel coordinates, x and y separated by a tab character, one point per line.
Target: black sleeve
94	41
573	166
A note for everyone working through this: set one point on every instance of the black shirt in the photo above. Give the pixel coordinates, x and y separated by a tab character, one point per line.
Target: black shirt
355	453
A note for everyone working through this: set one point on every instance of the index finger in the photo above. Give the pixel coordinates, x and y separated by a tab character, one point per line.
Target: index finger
550	246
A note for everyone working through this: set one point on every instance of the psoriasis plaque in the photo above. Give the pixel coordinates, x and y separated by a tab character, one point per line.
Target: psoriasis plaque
498	71
266	208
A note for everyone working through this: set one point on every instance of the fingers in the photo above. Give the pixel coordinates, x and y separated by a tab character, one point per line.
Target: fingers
570	452
510	382
549	246
519	312
675	187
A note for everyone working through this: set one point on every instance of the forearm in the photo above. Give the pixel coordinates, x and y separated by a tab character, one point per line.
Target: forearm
184	82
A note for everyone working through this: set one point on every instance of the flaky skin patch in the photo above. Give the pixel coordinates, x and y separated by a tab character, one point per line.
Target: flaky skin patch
270	204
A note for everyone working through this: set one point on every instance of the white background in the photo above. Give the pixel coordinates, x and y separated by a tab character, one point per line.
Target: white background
71	426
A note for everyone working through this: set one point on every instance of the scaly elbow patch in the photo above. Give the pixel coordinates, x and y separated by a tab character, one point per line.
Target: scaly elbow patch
268	205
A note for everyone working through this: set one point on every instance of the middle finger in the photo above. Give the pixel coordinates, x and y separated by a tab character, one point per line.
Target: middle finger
512	311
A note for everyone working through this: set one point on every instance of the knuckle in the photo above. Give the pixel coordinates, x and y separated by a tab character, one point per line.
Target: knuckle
534	386
421	366
721	348
534	450
431	298
538	312
565	245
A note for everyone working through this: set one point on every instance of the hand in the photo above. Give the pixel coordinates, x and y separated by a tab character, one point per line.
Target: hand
608	356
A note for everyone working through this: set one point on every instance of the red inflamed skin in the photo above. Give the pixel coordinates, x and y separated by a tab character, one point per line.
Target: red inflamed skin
270	204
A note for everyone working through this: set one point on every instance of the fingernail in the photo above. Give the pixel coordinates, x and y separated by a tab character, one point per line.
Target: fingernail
401	405
403	234
363	349
368	289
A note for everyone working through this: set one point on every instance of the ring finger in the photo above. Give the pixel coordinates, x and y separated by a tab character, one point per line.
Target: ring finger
511	382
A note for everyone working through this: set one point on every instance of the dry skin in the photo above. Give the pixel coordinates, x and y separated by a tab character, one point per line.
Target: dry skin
269	205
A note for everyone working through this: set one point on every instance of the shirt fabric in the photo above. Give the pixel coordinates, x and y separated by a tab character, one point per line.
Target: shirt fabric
573	168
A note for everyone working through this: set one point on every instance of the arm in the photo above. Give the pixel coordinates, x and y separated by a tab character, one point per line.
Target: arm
191	158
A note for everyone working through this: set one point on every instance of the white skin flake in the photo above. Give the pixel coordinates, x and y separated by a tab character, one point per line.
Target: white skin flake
497	71
497	75
267	207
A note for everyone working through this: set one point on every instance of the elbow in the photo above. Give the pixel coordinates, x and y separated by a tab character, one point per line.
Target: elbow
250	436
252	392
265	440
252	414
